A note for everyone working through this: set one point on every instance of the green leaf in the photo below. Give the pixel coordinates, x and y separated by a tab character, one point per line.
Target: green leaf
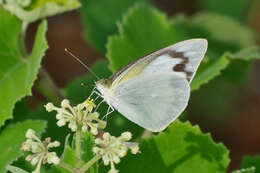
69	154
249	161
222	32
247	54
68	157
182	148
143	30
15	135
209	71
86	151
17	72
236	8
31	10
245	170
15	169
99	19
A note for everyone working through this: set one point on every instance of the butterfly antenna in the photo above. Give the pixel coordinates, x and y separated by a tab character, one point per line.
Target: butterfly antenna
77	59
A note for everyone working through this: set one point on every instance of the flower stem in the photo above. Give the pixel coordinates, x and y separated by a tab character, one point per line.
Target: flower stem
78	147
67	167
90	163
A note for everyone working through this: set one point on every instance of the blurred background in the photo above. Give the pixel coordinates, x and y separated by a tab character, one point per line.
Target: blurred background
231	114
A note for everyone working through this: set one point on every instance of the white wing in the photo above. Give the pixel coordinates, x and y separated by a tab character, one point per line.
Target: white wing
152	101
182	58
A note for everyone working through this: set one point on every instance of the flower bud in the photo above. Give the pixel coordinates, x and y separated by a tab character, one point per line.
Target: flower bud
61	123
49	107
65	103
126	136
30	133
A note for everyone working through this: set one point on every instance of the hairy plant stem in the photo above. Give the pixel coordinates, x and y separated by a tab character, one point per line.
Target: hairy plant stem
78	147
90	163
67	167
21	43
46	86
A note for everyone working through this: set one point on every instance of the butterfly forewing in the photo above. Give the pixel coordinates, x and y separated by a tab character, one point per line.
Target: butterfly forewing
182	59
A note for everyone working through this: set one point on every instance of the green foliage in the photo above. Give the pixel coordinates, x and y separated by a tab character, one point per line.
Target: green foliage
246	170
17	70
182	148
249	161
69	154
67	157
31	10
134	41
15	135
247	54
14	169
208	71
100	17
222	32
86	147
236	8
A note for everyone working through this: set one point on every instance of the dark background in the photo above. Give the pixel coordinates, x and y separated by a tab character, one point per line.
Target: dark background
238	129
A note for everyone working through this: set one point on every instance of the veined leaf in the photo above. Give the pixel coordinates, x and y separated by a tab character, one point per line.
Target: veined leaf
15	135
31	10
14	169
69	155
134	41
209	71
249	161
236	8
182	148
17	72
100	17
250	53
245	170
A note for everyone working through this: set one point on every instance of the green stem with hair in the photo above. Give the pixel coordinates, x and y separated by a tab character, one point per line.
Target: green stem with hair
90	163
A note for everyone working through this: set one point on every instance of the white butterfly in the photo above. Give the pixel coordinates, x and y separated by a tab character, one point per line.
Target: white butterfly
154	90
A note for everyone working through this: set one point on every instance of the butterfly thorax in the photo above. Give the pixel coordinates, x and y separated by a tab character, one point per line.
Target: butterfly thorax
103	86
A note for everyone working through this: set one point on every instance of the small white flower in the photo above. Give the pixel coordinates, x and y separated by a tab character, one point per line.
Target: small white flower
52	158
112	148
40	150
78	116
134	149
49	107
61	122
65	103
30	133
126	136
53	144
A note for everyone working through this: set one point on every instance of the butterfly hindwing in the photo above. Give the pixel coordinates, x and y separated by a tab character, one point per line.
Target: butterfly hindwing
152	101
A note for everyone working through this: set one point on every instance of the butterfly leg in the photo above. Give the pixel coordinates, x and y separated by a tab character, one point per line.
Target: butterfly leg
108	111
99	104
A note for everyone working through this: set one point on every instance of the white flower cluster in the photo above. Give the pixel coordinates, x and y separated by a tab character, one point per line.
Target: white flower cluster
40	150
80	116
113	148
